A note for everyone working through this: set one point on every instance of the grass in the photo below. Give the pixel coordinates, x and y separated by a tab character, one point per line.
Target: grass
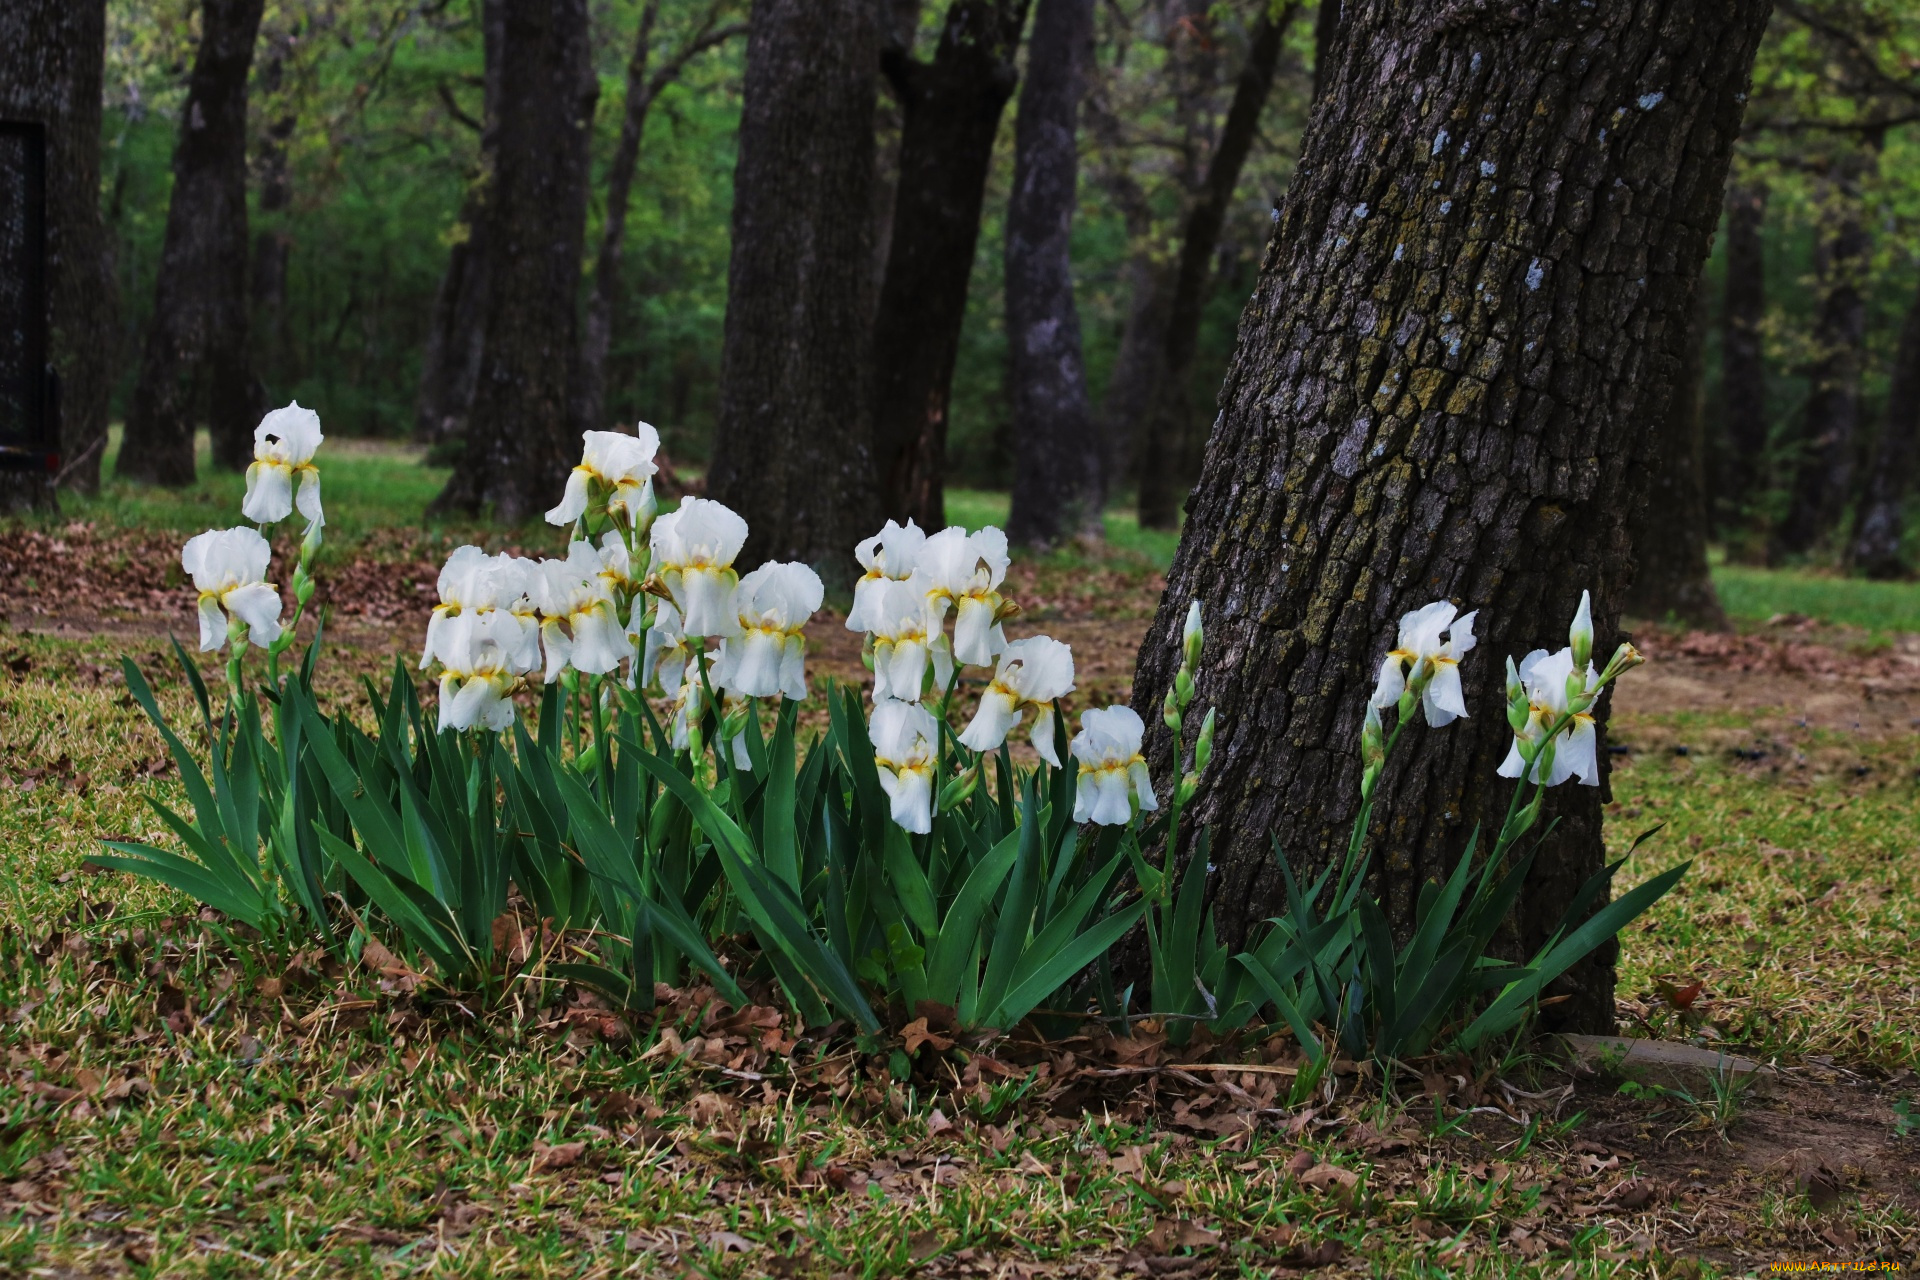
373	486
172	1106
1752	595
1803	905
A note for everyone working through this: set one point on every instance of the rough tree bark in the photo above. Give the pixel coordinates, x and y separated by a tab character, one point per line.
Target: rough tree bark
1164	447
1830	426
51	58
793	447
1669	528
1876	548
450	359
596	334
1743	366
951	111
1057	477
519	442
196	345
1464	328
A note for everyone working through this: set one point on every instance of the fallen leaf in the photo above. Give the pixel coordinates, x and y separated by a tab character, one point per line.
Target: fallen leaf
916	1033
1322	1176
1820	1185
1633	1194
559	1156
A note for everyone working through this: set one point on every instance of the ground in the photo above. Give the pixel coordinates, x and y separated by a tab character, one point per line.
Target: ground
174	1106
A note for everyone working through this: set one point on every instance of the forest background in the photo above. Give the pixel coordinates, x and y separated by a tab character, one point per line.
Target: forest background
365	142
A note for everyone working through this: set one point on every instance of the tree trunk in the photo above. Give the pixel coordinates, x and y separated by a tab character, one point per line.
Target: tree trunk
1326	30
1138	367
1464	329
1057	475
596	335
51	58
272	246
519	440
450	360
1164	448
1878	535
793	446
951	107
1669	530
1823	472
1743	366
196	344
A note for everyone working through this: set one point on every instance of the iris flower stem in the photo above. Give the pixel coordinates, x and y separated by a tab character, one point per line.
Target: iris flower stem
1357	840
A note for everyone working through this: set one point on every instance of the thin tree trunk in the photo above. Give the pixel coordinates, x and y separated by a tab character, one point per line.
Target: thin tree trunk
51	58
1326	30
1164	448
1419	409
951	108
1823	474
450	360
793	447
596	334
196	344
1057	489
1139	367
1878	535
1669	531
1743	366
519	442
272	245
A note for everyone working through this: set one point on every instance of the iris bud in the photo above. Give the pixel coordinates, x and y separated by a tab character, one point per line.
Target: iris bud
1203	749
1518	712
1192	637
1580	634
957	790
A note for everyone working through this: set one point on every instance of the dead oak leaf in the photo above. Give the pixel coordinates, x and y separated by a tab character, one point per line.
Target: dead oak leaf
1324	1176
917	1033
562	1155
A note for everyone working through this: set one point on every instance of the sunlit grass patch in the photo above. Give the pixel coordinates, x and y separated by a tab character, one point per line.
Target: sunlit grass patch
1801	910
1752	595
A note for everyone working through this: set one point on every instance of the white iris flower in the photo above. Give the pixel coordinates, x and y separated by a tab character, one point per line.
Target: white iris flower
693	552
481	665
229	568
1033	672
666	653
890	555
623	465
1113	773
283	447
902	645
576	592
768	656
1428	663
905	747
964	570
475	583
1545	677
